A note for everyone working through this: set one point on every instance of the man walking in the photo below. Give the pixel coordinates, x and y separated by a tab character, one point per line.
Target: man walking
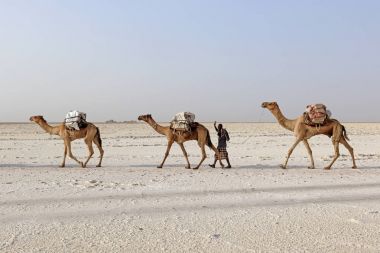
223	137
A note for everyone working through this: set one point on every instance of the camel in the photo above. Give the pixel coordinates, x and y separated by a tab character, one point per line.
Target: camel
303	132
90	134
200	134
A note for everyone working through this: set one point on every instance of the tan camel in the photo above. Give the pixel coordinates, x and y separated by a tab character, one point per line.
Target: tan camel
303	132
200	134
90	134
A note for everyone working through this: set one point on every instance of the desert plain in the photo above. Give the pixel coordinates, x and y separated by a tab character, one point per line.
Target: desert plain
129	205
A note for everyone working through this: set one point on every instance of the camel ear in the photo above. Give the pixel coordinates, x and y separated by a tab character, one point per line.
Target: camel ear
149	115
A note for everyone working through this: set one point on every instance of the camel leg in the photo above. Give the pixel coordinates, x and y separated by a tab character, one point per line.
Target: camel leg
336	148
71	154
351	150
185	154
170	143
64	156
90	151
101	152
290	153
203	156
310	153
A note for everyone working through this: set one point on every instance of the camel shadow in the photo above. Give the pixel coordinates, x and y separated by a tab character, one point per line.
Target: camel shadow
369	167
206	166
175	166
22	165
200	193
155	165
262	166
228	204
41	166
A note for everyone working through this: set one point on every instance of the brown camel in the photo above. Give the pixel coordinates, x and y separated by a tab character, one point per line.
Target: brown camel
200	134
90	134
303	132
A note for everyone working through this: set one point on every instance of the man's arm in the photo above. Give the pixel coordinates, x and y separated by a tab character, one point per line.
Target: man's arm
227	135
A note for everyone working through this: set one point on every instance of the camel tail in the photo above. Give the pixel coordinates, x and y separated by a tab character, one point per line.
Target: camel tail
97	136
345	133
209	143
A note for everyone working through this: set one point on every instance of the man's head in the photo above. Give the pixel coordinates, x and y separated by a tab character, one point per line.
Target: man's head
220	126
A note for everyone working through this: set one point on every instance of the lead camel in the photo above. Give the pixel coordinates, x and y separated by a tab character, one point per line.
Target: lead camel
303	132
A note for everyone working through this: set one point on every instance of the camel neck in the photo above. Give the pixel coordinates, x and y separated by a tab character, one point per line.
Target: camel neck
283	121
49	129
159	129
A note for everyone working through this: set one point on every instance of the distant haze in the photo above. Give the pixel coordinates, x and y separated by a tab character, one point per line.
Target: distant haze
217	59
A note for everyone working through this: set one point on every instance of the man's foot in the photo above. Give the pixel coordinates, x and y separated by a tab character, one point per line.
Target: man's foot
212	165
228	167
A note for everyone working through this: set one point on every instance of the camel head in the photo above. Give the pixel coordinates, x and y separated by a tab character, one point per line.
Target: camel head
270	105
37	119
145	117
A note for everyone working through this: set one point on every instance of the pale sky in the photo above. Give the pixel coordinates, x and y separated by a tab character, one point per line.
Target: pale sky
218	59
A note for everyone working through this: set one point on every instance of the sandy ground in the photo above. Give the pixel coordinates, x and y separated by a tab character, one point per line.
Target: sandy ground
131	206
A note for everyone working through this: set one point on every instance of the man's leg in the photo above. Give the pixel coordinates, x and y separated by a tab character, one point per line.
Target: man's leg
229	164
213	165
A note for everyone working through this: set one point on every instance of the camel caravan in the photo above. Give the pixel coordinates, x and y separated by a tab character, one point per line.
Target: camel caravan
316	120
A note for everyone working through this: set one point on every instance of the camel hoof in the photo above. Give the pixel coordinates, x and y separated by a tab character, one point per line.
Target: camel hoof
195	168
311	167
98	166
354	167
283	166
327	168
83	165
62	166
187	167
159	167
